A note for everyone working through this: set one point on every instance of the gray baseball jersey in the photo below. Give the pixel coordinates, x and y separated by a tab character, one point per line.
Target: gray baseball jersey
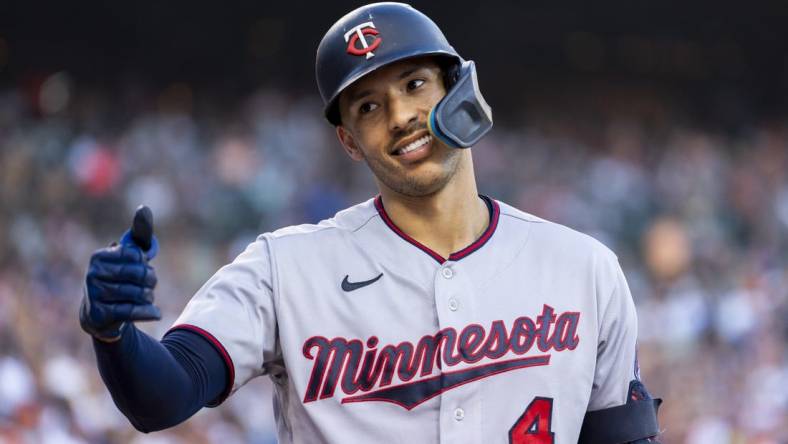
370	336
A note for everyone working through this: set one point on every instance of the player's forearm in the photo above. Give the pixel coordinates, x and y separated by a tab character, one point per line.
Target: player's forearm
160	384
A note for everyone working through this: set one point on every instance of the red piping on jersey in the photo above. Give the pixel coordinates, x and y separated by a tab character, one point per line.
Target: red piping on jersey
228	362
478	243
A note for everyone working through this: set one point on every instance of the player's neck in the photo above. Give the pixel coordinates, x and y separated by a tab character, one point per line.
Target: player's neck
446	221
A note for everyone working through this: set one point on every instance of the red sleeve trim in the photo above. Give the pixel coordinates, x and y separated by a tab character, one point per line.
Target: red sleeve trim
228	362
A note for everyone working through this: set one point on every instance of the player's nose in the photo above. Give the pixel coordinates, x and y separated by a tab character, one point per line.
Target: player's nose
401	114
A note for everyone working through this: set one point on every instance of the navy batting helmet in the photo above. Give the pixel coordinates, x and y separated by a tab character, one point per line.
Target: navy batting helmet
378	34
368	38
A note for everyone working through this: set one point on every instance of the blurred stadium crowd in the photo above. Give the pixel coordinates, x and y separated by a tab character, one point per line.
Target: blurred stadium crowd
697	214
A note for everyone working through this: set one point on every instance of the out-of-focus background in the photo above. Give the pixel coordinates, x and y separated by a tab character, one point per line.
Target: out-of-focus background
660	129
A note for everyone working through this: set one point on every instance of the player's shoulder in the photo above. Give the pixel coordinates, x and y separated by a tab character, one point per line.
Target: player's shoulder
553	236
346	221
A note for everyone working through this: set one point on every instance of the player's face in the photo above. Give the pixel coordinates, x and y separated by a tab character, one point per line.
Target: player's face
384	123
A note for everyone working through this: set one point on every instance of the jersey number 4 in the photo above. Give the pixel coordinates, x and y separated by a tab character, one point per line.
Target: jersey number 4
533	426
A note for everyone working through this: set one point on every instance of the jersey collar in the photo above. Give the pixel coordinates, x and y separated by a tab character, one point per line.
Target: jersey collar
492	207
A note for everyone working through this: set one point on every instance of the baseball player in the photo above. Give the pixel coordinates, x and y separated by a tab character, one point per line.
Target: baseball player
427	314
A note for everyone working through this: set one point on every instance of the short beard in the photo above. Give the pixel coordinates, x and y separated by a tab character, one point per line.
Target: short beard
413	185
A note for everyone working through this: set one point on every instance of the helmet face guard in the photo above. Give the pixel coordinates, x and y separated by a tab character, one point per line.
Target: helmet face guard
379	34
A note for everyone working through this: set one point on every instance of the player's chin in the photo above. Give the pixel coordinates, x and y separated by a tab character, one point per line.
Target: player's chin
425	170
422	180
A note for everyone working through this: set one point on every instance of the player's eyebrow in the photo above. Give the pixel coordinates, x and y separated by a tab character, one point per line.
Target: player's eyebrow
356	96
410	71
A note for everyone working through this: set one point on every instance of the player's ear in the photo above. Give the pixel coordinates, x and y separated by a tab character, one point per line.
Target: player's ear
349	143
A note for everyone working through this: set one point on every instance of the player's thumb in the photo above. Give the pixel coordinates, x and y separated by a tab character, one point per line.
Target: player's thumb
141	232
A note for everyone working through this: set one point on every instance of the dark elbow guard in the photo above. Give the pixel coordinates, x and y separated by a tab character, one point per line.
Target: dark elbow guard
634	422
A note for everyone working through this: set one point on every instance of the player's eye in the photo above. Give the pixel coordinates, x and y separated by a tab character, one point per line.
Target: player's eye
366	107
415	84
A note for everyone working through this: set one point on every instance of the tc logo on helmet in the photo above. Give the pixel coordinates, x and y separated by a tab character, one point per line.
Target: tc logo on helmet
358	33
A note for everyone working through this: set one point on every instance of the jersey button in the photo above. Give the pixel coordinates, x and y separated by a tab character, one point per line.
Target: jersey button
453	304
447	273
459	414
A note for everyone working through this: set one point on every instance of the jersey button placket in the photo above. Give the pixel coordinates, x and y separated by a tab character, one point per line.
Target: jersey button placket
456	309
448	273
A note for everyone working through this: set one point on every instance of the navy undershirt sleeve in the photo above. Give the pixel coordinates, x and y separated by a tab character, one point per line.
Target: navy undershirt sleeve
161	384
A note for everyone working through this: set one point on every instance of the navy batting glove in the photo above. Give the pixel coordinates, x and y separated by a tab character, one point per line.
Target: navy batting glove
119	283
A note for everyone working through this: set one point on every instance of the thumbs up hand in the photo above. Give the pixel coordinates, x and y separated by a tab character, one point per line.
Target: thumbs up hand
119	282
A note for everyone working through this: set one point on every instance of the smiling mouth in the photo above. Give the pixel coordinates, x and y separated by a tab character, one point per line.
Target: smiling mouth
413	146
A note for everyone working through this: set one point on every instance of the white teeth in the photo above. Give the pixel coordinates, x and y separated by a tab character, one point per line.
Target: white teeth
415	145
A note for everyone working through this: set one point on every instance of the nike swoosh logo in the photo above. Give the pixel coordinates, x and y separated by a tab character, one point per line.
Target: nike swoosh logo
350	286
